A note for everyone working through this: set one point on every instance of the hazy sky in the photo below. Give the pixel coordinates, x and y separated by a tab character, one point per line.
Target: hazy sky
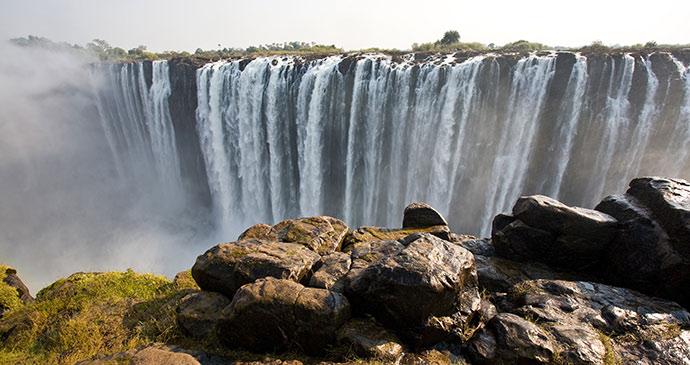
354	24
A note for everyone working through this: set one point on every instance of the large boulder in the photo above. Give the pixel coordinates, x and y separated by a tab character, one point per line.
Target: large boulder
669	201
423	287
366	234
511	339
651	252
277	315
227	266
421	215
545	230
199	312
321	234
588	322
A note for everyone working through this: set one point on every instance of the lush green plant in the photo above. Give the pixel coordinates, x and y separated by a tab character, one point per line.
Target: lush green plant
90	313
523	45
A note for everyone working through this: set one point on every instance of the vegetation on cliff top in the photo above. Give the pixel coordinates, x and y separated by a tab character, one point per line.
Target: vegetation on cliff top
90	313
9	297
450	42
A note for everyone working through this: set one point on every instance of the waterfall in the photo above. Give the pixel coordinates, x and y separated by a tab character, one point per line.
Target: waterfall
359	137
137	123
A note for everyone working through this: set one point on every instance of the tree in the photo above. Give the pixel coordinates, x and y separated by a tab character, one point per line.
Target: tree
450	37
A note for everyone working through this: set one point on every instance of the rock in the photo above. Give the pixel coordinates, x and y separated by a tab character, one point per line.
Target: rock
553	216
590	321
669	201
14	281
199	312
370	340
156	354
548	231
478	246
642	256
227	266
331	274
372	234
283	315
508	338
427	357
321	234
422	215
410	285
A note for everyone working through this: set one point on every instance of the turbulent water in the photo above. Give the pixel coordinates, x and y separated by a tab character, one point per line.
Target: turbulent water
361	137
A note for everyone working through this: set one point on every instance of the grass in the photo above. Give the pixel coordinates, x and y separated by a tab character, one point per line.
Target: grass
88	314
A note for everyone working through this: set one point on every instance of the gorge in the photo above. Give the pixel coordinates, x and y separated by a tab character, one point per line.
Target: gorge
360	136
176	149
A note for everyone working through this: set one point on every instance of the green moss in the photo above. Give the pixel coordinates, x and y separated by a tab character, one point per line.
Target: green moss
610	357
91	313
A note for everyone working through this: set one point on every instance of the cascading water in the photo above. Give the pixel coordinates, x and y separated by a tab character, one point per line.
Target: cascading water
359	140
361	137
137	123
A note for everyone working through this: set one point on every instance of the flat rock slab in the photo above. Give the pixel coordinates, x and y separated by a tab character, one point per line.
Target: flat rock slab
421	215
277	315
366	234
227	266
322	234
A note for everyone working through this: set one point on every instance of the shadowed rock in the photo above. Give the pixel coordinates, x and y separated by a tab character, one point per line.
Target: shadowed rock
276	315
420	215
199	312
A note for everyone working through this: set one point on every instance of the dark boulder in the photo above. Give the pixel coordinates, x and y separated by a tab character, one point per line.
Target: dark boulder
642	255
669	201
199	312
421	215
227	266
546	230
549	214
508	338
321	234
421	286
277	315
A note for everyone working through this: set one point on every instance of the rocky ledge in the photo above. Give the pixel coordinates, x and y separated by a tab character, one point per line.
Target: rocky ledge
553	284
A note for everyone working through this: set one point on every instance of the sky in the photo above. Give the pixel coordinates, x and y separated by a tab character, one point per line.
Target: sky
183	25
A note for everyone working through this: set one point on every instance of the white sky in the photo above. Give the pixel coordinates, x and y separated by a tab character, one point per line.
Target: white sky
354	24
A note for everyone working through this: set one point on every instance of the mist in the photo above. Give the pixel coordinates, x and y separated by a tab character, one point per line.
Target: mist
65	206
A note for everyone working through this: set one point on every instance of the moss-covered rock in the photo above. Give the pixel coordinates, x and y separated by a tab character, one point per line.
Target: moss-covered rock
11	296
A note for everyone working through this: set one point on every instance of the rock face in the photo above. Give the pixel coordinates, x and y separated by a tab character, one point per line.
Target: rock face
651	251
421	279
227	266
331	274
545	230
421	215
14	281
583	323
321	234
274	315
